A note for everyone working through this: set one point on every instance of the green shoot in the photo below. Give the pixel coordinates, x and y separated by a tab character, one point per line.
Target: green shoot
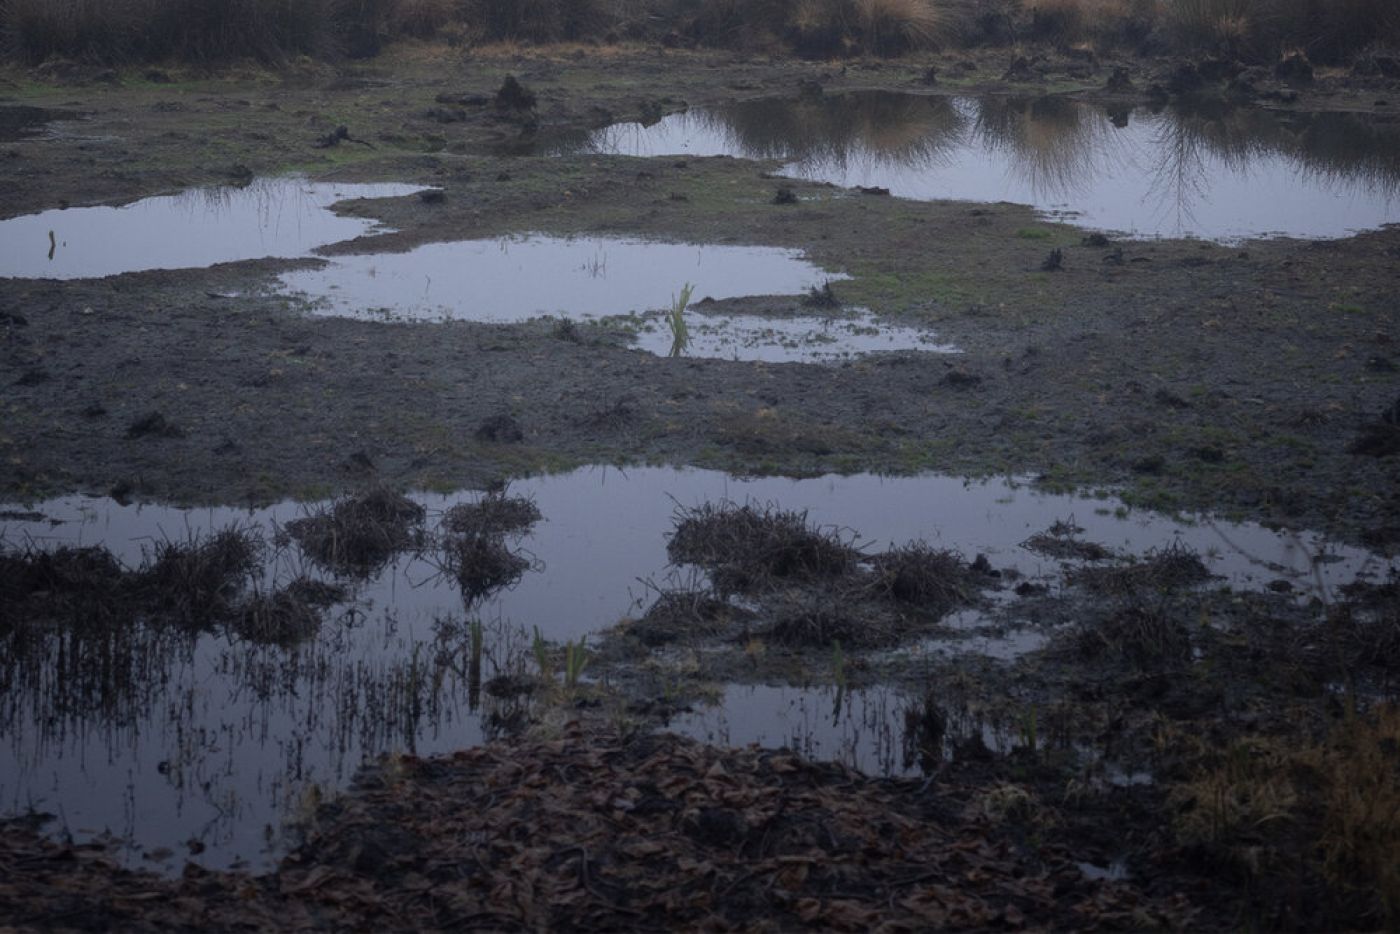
680	334
575	660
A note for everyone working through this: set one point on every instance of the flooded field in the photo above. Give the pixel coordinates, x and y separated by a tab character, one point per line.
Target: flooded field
204	741
267	218
1212	172
303	575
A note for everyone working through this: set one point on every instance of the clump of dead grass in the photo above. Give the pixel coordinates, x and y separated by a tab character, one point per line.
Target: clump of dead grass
923	576
482	564
75	577
198	581
1147	638
1328	810
1062	541
288	615
494	514
820	618
359	533
676	615
813	586
747	544
1163	569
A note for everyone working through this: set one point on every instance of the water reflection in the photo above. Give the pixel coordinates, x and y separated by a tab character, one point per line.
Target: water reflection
1218	171
516	278
170	734
275	217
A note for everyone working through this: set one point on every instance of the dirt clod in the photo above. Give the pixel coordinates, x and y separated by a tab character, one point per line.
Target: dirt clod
153	425
500	429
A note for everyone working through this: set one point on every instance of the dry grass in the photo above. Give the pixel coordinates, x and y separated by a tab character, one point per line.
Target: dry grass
1147	638
923	576
494	514
893	27
745	545
1161	570
1264	30
482	564
1329	810
111	31
359	533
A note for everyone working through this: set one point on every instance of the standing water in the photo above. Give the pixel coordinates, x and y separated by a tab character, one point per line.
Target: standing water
1211	172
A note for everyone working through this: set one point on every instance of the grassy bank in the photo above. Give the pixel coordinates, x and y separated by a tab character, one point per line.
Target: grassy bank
202	31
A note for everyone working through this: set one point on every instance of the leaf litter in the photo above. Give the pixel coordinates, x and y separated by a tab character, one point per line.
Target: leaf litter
592	830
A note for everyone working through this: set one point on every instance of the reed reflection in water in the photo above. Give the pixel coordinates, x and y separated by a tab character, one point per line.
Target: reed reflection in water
1216	171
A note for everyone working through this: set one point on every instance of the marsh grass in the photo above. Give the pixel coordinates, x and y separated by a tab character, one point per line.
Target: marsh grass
741	545
675	320
360	532
1162	569
1325	810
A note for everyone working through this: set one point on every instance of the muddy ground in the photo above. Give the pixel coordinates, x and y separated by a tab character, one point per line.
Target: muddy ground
1133	375
1246	380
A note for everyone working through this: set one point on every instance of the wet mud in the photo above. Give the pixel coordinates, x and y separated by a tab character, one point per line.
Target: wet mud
1061	689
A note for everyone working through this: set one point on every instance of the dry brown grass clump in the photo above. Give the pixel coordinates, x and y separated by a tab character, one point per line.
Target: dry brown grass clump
820	28
746	544
1326	812
482	564
495	514
198	585
111	31
923	576
198	581
288	615
359	533
76	578
676	615
1163	569
1145	638
1264	30
821	618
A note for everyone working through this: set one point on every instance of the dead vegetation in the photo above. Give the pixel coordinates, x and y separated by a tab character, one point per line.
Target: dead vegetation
744	544
917	574
1149	638
288	615
682	615
594	832
196	585
1162	569
482	564
814	585
359	533
494	514
1323	812
276	31
474	549
1062	541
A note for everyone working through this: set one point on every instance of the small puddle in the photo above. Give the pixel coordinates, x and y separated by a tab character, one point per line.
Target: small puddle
518	278
269	218
209	737
1214	173
801	339
581	278
20	121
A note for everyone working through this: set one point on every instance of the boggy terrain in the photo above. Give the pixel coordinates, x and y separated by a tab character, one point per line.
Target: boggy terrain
1125	369
1256	380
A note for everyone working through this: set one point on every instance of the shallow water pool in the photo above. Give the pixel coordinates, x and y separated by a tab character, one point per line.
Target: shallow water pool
1216	172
